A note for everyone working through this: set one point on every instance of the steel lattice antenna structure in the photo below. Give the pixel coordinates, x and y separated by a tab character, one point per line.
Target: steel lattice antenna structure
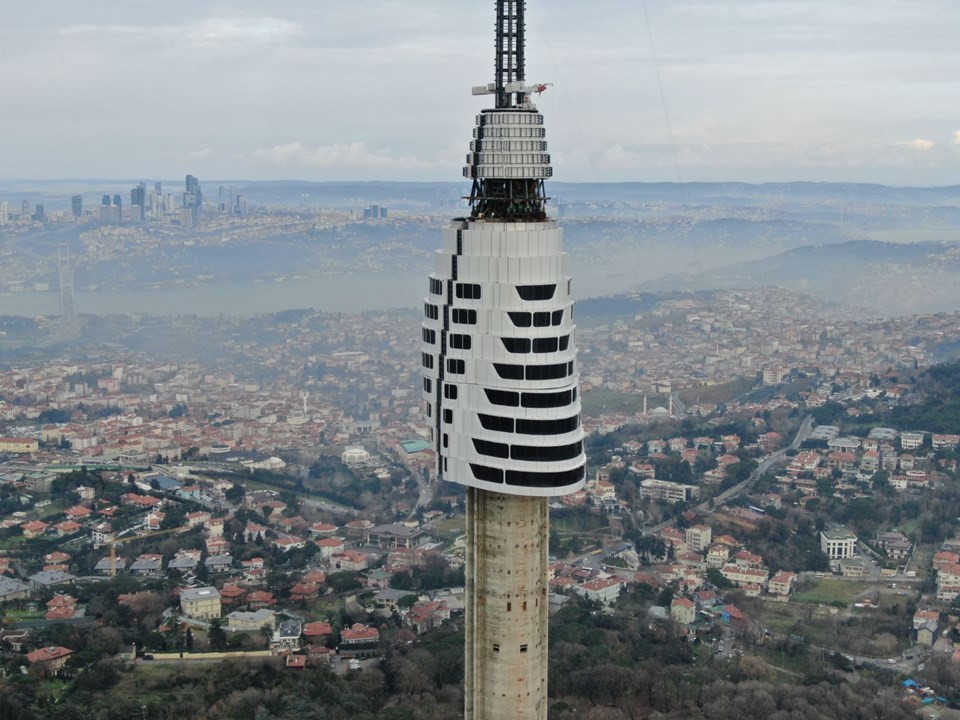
500	381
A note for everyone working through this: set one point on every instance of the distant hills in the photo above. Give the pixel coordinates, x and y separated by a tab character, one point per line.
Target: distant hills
880	277
441	195
885	250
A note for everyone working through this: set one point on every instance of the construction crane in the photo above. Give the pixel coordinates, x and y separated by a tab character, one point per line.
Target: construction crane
131	538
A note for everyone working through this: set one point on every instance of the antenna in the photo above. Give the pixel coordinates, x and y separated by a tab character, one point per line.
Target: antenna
509	66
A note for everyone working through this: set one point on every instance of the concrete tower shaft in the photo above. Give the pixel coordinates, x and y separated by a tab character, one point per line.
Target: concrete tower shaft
507	608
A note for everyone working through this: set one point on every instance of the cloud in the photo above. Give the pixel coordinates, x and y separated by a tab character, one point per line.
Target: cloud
955	138
341	155
918	144
201	154
210	32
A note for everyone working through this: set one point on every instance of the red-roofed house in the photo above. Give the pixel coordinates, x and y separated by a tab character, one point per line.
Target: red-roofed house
296	662
67	527
330	546
424	616
48	661
289	543
260	599
351	561
747	559
141	501
605	592
683	611
317	633
318	577
232	595
782	583
78	512
304	591
61	607
359	640
34	529
323	529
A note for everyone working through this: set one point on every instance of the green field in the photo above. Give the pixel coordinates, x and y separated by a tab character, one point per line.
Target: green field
12	616
450	527
829	590
599	402
13	542
717	393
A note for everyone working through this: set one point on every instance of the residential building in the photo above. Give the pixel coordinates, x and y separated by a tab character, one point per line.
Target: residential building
838	543
604	591
48	661
240	621
782	583
683	611
668	492
202	603
359	640
699	538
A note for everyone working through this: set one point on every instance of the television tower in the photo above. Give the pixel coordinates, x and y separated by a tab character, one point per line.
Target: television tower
500	379
68	310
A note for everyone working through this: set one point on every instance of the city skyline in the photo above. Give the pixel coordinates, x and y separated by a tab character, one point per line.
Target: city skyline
750	91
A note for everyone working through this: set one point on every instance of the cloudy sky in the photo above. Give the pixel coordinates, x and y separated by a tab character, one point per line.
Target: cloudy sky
679	90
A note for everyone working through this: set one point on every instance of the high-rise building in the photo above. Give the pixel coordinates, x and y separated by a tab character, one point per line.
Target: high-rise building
118	204
38	213
193	198
138	201
76	204
4	212
500	379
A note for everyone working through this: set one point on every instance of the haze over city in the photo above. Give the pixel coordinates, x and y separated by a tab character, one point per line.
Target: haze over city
682	91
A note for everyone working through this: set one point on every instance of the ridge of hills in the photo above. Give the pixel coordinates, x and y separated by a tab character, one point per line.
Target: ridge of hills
880	277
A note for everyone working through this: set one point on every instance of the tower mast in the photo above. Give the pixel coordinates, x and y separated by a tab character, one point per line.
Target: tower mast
509	66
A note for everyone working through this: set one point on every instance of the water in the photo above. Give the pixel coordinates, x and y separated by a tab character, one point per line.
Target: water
332	293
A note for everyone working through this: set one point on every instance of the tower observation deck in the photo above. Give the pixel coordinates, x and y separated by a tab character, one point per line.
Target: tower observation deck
500	381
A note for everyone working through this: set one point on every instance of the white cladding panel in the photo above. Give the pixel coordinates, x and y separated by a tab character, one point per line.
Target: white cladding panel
501	373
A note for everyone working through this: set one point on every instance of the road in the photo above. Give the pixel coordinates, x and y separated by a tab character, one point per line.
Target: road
425	493
803	432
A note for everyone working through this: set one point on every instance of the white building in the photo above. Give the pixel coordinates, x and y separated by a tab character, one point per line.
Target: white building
838	544
354	456
911	440
202	603
668	491
604	591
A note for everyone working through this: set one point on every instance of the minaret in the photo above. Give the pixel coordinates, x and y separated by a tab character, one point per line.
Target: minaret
500	378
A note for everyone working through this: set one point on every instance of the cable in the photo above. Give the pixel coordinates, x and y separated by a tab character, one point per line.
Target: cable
663	96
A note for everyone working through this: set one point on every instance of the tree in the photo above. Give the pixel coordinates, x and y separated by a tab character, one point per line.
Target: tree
406	601
217	635
343	582
235	494
717	579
